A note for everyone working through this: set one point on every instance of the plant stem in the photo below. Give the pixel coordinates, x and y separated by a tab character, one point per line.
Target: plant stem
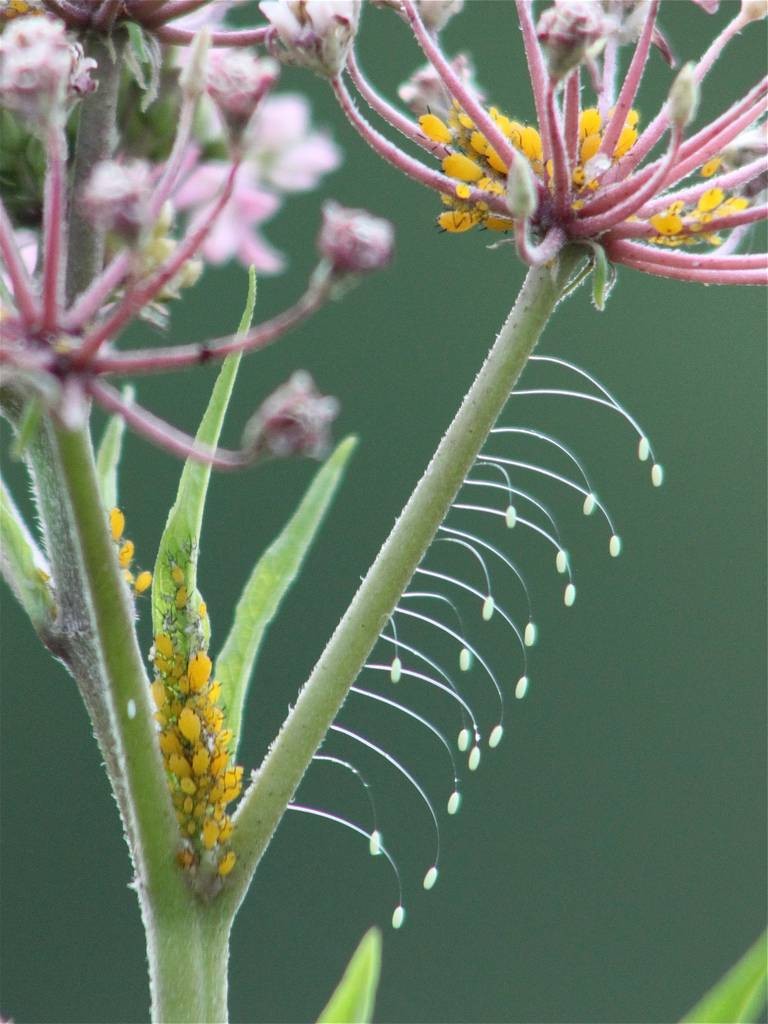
276	781
96	136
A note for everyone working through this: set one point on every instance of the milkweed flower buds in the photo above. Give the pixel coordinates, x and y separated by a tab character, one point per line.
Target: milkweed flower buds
567	30
237	82
40	68
437	13
354	241
315	34
425	93
116	196
521	189
294	420
684	96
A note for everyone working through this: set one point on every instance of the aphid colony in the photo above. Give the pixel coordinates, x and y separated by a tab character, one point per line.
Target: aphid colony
191	733
193	740
474	162
125	553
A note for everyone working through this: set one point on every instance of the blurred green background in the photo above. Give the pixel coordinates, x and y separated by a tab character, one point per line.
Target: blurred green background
609	860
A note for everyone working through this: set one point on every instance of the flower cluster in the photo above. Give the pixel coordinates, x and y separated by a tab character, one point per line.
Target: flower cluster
191	731
583	174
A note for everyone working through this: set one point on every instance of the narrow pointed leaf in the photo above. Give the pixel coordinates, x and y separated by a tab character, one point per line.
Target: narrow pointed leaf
108	455
740	995
180	541
352	1002
272	575
23	564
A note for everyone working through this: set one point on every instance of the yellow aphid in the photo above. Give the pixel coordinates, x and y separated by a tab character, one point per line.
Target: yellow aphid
710	200
184	683
218	764
214	693
143	582
434	128
177	575
181	597
226	863
531	143
710	167
479	143
189	803
191	828
466	121
667	223
128	576
189	725
590	122
498	224
189	787
199	671
589	146
158	694
201	761
125	556
116	523
456	221
210	834
163	644
202	609
179	766
459	166
463	191
627	139
495	160
170	743
226	830
732	205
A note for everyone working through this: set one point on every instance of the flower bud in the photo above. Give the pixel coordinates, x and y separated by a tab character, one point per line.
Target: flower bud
567	30
684	96
116	197
521	189
424	92
437	13
354	241
237	81
754	10
294	420
36	62
315	34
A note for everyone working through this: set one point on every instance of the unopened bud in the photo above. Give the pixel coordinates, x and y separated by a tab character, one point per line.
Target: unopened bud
294	420
116	197
40	68
754	10
315	34
424	92
521	194
567	30
684	96
237	81
354	241
192	77
437	13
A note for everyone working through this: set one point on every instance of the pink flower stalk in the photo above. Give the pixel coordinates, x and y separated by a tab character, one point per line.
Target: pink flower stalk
59	349
588	176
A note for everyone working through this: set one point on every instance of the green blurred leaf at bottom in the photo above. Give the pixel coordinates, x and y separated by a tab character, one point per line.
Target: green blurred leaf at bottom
740	995
352	1002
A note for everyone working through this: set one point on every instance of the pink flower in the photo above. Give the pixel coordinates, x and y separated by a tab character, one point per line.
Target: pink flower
288	154
235	233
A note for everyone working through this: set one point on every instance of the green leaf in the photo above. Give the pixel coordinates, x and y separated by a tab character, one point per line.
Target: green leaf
740	995
180	541
272	575
108	455
28	426
143	50
352	1002
23	564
